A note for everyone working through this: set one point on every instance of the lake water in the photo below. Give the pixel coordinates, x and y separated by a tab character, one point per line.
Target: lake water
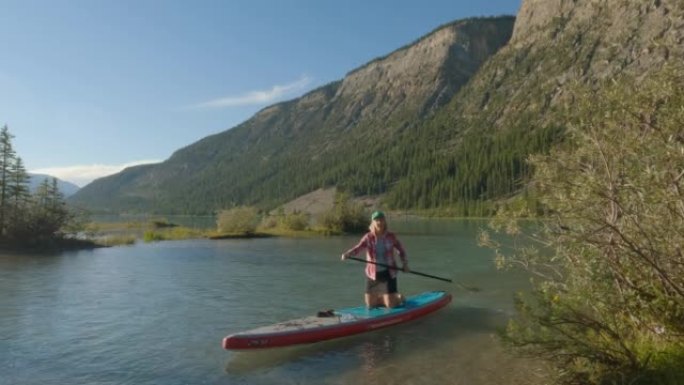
156	313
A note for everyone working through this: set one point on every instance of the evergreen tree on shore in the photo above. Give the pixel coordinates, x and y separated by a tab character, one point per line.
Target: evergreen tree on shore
28	220
7	156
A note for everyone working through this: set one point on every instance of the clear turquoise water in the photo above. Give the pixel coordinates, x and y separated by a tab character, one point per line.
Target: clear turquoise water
156	313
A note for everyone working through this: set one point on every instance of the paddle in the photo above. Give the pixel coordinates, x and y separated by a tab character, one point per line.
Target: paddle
416	273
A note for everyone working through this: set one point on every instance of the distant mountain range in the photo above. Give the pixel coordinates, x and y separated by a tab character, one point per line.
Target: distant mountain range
67	188
446	121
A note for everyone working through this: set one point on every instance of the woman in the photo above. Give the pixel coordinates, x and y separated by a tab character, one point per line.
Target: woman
381	282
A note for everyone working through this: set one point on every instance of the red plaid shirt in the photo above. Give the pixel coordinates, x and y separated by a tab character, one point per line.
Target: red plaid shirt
391	242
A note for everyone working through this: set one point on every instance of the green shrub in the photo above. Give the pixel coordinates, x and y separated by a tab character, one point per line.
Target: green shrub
608	300
269	222
153	236
117	240
239	220
345	217
296	221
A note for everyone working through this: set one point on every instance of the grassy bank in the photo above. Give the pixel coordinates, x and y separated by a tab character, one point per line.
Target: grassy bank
127	233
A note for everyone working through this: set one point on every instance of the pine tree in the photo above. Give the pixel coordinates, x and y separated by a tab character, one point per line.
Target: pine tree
49	212
19	195
7	156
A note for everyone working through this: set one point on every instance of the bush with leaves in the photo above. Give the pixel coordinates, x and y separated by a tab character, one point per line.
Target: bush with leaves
607	264
238	220
345	216
296	221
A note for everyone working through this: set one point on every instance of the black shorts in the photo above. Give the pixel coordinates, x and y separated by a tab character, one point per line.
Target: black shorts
383	283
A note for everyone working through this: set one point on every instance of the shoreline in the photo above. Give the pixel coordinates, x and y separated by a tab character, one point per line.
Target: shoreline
56	245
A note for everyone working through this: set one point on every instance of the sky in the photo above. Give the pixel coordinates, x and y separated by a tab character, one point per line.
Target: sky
88	87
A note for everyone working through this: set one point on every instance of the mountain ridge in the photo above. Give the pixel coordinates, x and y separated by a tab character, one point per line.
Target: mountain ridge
65	187
446	122
376	100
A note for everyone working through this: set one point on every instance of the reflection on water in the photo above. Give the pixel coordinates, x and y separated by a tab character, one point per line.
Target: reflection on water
156	313
372	354
455	346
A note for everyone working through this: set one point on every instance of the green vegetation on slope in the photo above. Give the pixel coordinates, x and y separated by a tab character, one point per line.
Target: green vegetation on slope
355	140
456	139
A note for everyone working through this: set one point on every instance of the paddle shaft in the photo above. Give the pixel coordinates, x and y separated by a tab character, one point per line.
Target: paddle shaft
396	268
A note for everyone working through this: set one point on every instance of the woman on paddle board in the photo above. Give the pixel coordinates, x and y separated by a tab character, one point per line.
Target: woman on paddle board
381	282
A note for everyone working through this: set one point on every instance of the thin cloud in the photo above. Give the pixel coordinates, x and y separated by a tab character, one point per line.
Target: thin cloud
257	97
81	175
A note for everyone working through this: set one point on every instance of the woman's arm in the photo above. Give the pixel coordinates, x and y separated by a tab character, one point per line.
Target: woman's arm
356	249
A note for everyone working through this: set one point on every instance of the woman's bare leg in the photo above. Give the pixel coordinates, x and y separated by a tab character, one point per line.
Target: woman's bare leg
373	300
393	300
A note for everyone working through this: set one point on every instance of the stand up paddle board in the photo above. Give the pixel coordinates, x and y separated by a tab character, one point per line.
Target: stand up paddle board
336	323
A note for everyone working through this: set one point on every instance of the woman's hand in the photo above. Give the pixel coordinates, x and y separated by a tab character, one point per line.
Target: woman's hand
405	268
344	256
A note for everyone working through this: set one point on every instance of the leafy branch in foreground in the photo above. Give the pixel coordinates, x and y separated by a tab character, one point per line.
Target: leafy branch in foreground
608	271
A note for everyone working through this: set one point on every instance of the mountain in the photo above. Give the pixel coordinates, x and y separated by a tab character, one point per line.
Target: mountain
295	147
446	121
67	188
508	109
558	44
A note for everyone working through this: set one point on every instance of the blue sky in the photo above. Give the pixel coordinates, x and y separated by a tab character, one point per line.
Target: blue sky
90	86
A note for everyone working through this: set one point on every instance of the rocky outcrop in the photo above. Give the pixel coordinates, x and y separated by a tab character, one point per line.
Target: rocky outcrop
627	35
560	43
420	77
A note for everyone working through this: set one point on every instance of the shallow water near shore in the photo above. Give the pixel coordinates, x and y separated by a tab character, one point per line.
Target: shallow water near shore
156	313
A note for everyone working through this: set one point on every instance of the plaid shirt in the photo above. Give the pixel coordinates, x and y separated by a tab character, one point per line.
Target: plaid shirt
391	242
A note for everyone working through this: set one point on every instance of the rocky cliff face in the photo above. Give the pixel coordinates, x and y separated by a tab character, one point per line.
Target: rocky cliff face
558	43
626	34
421	77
